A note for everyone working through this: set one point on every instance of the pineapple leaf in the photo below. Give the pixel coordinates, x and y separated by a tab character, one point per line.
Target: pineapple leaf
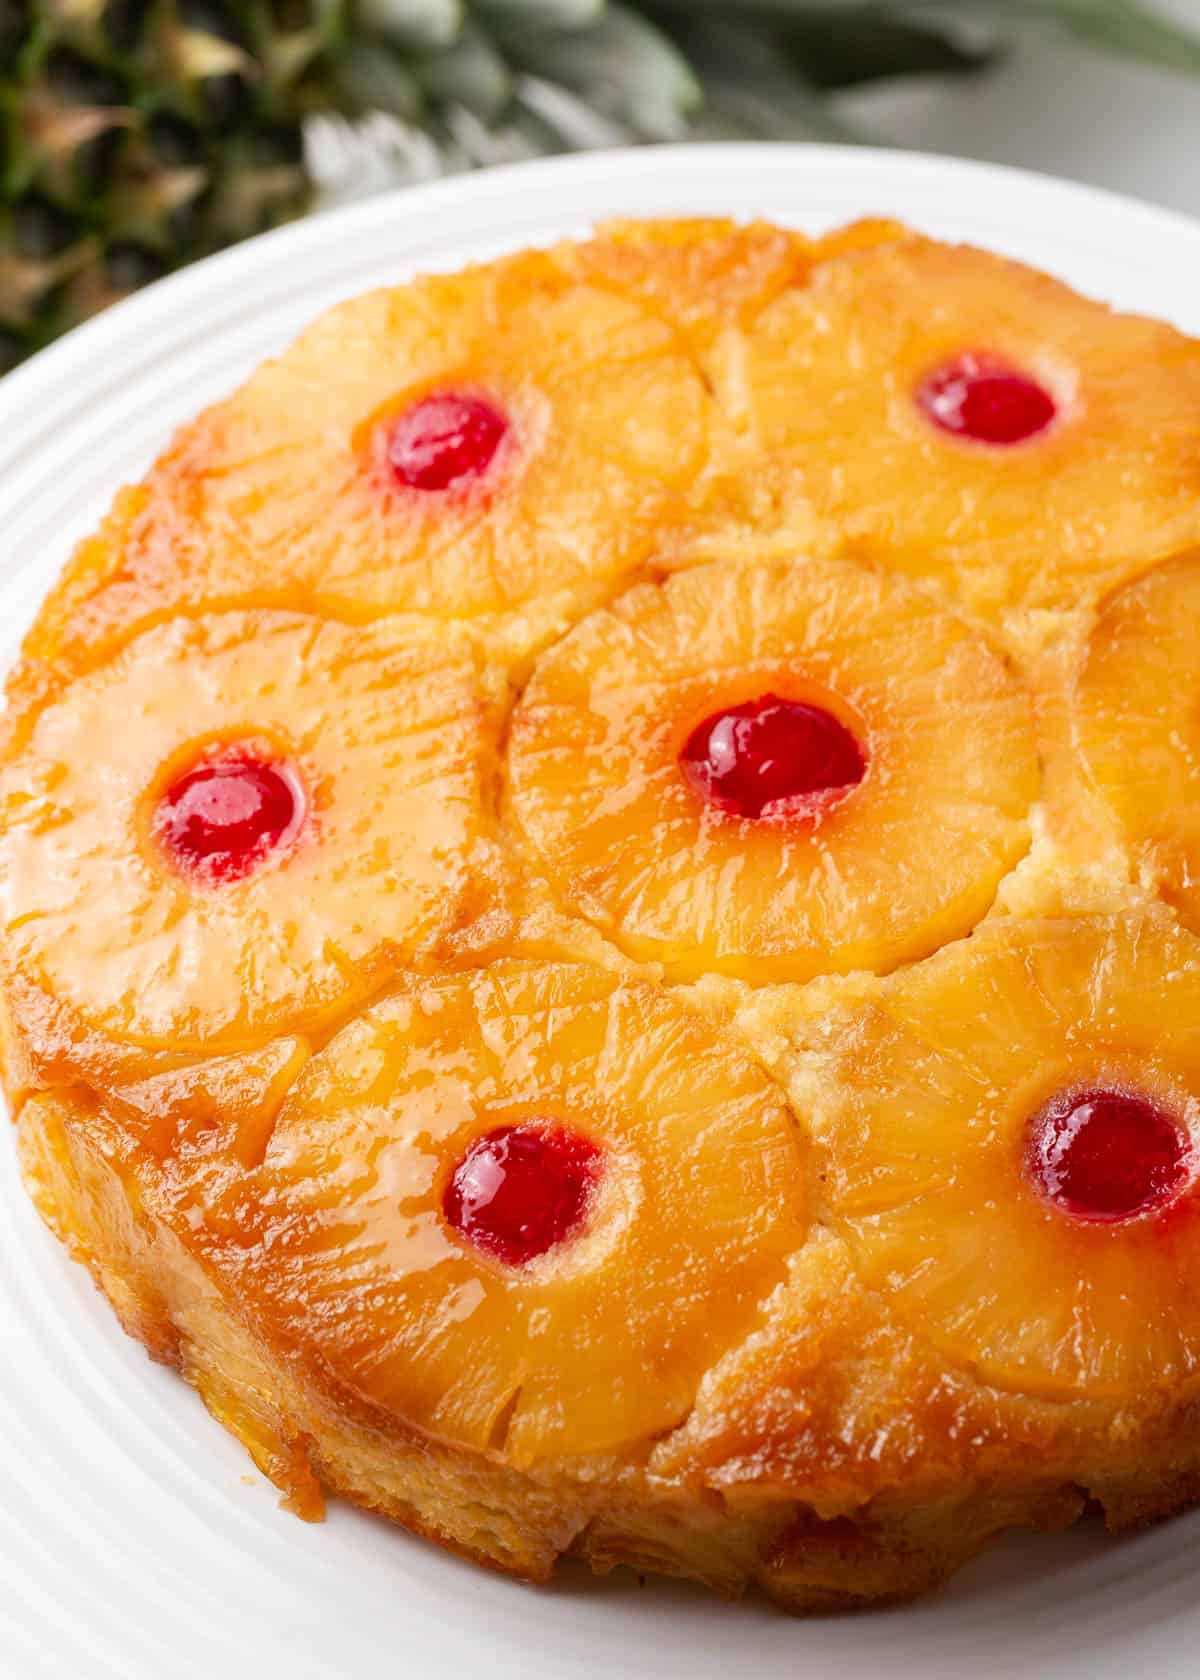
565	121
529	16
1129	28
623	67
470	74
1125	27
844	48
750	89
411	23
832	44
370	77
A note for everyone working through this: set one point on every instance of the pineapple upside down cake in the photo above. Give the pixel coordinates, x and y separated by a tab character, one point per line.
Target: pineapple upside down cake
600	923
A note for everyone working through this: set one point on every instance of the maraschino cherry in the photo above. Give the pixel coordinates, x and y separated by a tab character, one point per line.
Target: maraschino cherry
444	441
759	755
985	400
521	1190
222	820
1107	1154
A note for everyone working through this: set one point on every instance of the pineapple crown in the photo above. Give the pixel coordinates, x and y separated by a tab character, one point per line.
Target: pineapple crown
136	135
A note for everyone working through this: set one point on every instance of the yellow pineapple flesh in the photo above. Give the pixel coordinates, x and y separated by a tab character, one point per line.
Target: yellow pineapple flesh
932	1094
909	858
827	400
1137	724
706	275
701	275
342	1243
288	492
389	739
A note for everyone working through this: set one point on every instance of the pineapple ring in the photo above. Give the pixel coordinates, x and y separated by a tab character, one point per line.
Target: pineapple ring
702	274
700	1204
825	395
596	788
388	737
1137	724
283	493
924	1150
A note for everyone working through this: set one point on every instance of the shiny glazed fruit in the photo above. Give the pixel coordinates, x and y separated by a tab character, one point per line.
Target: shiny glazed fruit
1106	1155
223	819
909	858
1137	724
379	1264
445	439
984	400
521	1190
343	475
769	750
837	431
182	948
933	1159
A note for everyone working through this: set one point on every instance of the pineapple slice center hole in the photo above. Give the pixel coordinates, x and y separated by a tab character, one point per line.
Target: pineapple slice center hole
445	440
222	819
981	398
772	756
1106	1154
519	1191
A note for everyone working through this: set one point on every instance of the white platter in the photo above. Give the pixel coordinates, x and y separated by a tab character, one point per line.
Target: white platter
133	1543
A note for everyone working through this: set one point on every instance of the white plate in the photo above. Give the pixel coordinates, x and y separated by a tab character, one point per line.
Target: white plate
133	1543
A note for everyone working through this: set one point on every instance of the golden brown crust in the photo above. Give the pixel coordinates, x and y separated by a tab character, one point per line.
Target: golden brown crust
826	1441
618	1512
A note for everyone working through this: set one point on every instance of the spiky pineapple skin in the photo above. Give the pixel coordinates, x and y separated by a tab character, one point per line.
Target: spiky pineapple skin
138	139
810	1431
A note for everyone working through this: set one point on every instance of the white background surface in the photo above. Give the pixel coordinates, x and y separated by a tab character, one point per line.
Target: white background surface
133	1546
1059	107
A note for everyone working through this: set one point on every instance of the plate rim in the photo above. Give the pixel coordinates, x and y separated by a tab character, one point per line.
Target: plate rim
174	290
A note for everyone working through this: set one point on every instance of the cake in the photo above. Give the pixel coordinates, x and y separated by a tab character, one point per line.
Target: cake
600	909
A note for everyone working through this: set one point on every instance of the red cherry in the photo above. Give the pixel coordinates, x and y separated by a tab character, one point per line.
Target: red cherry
769	750
983	399
1107	1155
223	819
520	1190
443	440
